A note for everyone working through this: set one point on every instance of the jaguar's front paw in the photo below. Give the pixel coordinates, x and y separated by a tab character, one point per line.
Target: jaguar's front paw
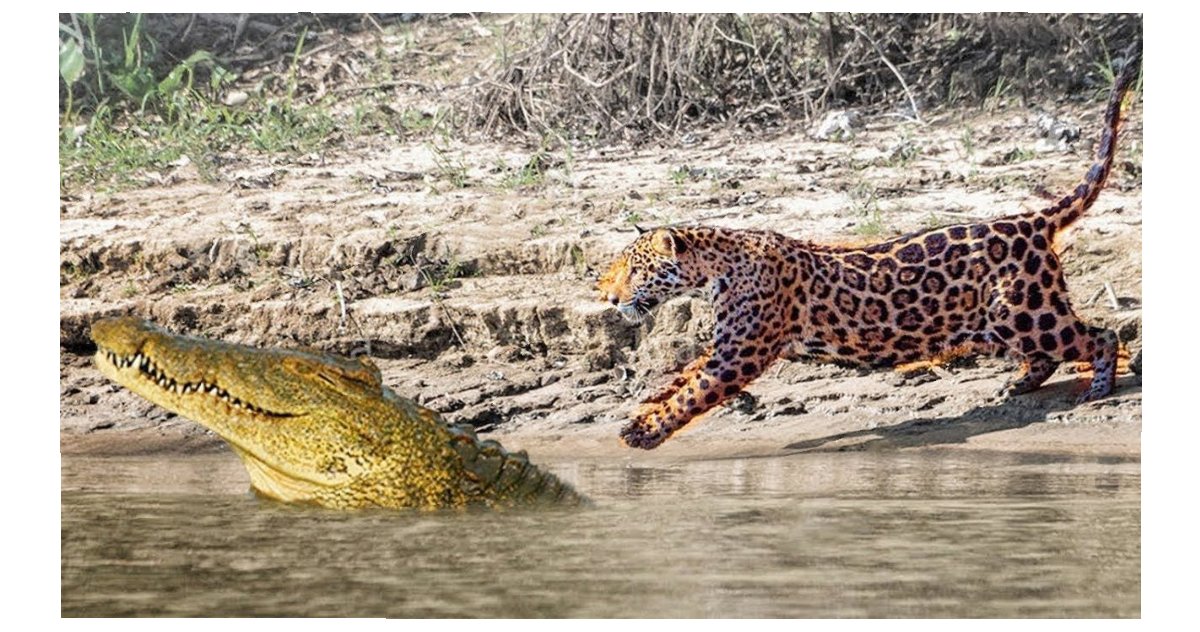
644	434
1014	388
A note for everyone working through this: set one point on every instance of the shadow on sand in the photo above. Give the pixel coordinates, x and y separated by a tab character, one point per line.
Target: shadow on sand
1006	414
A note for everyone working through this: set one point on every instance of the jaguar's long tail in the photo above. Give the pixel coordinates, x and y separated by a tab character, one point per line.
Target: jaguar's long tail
1071	207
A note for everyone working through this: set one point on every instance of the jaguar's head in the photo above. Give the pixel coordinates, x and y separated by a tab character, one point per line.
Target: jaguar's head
649	271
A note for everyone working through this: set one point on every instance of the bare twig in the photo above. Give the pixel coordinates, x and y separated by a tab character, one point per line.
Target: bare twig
341	305
903	84
370	18
399	83
1112	296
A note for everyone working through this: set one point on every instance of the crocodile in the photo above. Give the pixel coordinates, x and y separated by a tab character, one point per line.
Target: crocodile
318	429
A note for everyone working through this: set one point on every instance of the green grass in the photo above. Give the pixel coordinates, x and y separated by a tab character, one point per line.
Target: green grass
528	175
449	166
872	227
863	197
933	221
115	147
578	260
904	154
966	141
130	109
679	175
441	278
1018	155
997	94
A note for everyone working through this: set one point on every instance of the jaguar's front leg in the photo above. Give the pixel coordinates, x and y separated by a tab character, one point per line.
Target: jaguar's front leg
705	386
680	380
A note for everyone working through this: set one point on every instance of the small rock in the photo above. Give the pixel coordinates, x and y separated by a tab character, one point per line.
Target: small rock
593	379
598	361
744	403
1128	331
748	198
459	360
504	354
1057	129
412	281
838	125
788	407
235	98
913	377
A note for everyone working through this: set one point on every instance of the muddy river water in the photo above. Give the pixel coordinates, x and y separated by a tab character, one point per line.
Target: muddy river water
901	534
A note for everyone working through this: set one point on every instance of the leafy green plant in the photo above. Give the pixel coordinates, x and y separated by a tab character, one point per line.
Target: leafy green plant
966	141
291	82
441	277
679	175
530	174
70	68
131	70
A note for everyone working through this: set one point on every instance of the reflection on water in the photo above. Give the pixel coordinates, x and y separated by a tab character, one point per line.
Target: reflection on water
816	535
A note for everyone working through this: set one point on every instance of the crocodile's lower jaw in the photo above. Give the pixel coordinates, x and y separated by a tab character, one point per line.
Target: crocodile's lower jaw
276	485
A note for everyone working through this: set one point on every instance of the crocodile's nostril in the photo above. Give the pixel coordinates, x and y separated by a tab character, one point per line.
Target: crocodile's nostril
612	298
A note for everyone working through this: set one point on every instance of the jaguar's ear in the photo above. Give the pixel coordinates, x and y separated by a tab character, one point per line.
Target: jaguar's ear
666	242
640	230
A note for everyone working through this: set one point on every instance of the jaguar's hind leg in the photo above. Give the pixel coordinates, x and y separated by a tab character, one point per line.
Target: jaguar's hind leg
1035	370
1099	346
1045	341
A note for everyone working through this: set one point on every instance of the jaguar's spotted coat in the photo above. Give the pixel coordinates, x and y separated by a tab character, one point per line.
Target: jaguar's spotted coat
995	287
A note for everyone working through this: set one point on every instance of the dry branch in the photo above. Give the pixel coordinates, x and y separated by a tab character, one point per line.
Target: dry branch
635	76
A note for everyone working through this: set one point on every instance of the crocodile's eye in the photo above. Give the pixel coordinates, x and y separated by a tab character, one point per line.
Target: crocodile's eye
364	373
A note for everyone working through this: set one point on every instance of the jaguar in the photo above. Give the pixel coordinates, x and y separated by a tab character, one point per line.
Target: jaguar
995	287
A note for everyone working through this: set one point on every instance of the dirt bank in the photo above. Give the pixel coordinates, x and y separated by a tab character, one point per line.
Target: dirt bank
469	278
478	302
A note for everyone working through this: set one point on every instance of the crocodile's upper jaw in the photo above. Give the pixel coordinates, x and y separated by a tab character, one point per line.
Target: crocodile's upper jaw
157	367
